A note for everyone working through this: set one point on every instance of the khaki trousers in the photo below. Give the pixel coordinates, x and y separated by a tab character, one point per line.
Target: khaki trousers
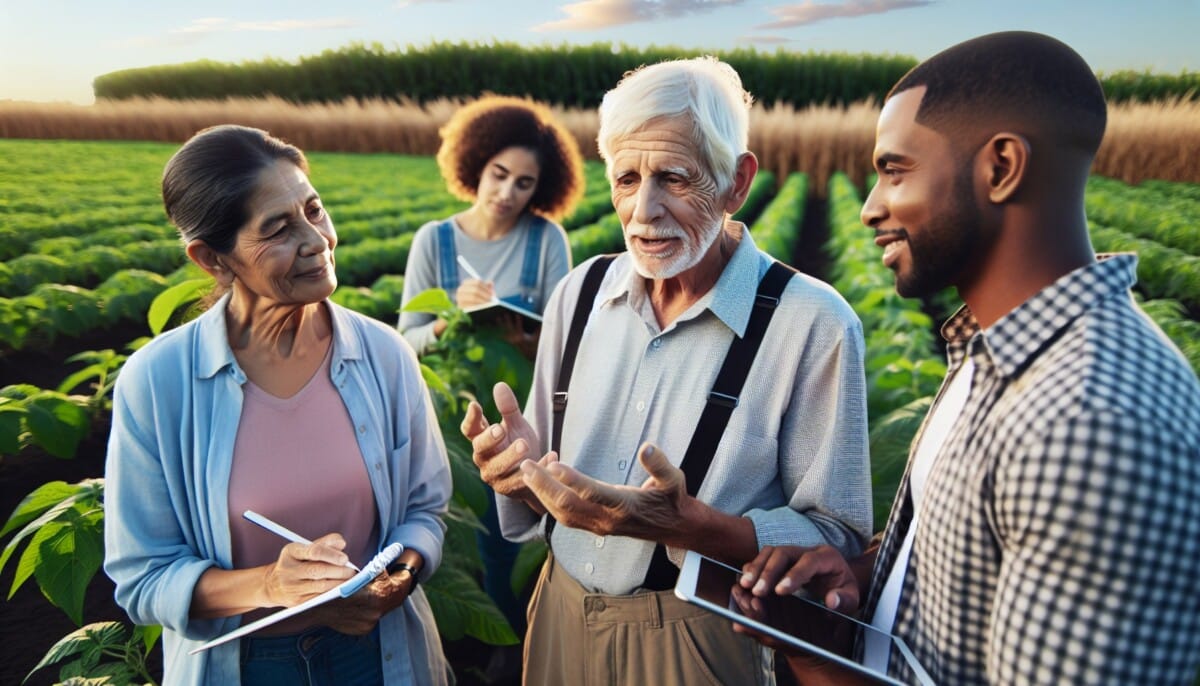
577	638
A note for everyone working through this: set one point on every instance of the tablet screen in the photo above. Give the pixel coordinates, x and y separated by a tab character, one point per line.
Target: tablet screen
805	624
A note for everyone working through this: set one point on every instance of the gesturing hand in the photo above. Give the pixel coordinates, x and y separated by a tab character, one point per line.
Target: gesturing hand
306	570
499	449
652	511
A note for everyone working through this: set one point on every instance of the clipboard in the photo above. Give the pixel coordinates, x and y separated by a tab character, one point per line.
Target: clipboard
346	589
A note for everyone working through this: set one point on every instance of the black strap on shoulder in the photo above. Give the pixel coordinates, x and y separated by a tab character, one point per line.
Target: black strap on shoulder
579	319
721	402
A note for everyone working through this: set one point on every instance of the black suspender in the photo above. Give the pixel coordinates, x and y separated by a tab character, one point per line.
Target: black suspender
583	310
721	400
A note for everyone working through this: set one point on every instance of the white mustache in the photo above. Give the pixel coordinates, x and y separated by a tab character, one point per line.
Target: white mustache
657	235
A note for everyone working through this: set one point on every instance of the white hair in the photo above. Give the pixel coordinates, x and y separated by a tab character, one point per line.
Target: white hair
704	89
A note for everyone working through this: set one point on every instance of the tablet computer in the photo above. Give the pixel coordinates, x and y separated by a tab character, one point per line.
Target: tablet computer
804	624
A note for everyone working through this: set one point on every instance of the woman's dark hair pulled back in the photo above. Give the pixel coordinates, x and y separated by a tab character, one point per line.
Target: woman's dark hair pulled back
207	184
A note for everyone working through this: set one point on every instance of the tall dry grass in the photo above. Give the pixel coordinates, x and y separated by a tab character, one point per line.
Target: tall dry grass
1150	140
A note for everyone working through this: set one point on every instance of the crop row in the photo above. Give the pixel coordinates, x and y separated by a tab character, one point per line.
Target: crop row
903	369
1171	221
54	311
777	228
87	266
1162	272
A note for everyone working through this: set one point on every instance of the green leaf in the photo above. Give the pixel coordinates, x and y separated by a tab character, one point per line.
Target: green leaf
468	487
41	499
148	635
11	421
71	550
529	562
57	423
462	608
75	643
47	516
435	383
166	303
431	301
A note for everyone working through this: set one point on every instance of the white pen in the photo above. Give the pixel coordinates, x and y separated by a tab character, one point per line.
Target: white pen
284	532
469	269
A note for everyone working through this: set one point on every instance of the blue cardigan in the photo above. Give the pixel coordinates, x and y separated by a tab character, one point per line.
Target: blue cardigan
176	409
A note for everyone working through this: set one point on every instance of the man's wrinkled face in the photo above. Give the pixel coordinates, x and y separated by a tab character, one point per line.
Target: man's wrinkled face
669	204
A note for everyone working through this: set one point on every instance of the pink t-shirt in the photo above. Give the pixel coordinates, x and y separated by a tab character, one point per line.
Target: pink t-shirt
296	461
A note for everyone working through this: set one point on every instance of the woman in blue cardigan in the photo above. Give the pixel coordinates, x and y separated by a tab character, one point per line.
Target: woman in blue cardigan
279	401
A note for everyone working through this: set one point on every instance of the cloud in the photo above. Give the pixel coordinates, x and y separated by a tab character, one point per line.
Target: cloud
400	4
809	12
198	29
599	14
764	40
219	25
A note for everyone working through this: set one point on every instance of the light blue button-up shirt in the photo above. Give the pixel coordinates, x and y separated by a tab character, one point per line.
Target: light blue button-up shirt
176	409
793	458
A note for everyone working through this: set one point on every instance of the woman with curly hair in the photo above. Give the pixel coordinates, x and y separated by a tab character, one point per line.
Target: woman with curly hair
520	169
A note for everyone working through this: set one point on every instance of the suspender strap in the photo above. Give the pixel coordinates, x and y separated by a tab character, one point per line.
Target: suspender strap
579	318
721	402
447	256
533	254
583	310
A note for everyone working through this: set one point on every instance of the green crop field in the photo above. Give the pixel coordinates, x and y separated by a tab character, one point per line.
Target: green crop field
85	248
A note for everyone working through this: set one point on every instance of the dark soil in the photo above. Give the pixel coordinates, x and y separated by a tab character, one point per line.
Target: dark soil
810	257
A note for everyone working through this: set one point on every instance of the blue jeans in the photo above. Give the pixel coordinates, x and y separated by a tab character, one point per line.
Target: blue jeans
317	657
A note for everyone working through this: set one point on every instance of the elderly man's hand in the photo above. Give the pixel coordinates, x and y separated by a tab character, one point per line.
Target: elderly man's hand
654	511
499	449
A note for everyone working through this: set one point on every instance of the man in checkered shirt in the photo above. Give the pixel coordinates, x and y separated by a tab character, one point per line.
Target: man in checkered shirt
1047	528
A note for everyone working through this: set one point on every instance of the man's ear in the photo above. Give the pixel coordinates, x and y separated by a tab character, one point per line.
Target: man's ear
743	175
210	261
1004	165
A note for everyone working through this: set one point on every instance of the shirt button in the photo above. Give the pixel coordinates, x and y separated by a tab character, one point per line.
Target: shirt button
641	406
589	568
621	465
656	343
388	656
599	542
362	428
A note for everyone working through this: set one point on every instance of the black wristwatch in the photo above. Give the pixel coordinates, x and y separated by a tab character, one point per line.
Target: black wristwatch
399	565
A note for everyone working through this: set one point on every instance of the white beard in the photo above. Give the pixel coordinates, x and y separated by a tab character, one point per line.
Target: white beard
673	264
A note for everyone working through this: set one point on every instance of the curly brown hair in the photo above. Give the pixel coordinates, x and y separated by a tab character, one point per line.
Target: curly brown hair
484	128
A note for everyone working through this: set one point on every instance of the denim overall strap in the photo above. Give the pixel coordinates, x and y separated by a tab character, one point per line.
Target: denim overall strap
447	256
533	253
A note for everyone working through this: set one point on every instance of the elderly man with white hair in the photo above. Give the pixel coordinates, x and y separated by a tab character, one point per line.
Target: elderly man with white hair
690	394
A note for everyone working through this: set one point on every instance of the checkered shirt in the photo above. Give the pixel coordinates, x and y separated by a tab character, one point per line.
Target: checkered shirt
1059	536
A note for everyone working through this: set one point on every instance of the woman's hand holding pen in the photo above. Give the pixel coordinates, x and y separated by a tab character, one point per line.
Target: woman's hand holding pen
306	570
473	292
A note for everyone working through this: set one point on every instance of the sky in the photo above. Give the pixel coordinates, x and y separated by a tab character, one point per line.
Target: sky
50	50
